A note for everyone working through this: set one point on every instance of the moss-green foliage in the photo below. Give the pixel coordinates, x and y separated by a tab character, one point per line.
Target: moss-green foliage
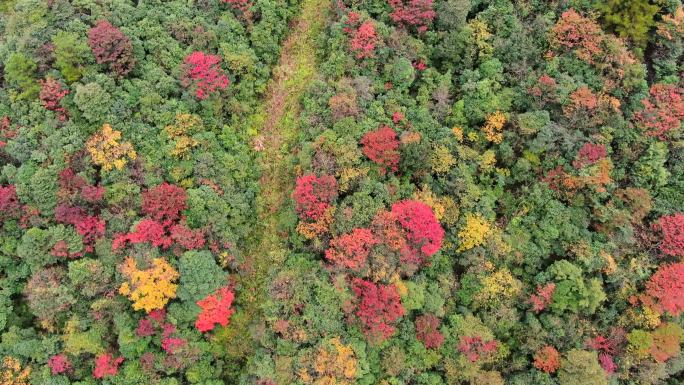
581	367
632	19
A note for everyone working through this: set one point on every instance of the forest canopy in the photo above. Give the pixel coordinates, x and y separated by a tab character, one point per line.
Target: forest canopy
318	192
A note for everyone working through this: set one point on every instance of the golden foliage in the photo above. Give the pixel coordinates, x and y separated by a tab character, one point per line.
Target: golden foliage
350	174
493	128
474	233
442	160
458	133
611	265
334	364
498	287
410	137
180	131
481	37
444	207
106	151
487	160
11	372
672	25
311	230
149	289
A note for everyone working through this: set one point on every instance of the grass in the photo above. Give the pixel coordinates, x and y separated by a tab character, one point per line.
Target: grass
277	124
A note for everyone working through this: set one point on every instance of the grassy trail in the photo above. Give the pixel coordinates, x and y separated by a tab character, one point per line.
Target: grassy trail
277	123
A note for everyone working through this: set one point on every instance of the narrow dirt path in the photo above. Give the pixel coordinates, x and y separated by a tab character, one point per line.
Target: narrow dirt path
277	123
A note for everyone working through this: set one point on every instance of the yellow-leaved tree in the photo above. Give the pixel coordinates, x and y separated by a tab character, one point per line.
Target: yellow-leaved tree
334	364
493	128
180	133
151	288
474	233
11	372
107	151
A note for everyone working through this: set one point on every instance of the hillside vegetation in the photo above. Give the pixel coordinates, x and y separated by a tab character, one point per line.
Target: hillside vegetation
341	192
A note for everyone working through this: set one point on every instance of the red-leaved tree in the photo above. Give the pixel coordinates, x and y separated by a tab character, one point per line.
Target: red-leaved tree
427	331
164	203
672	227
313	195
59	364
240	5
378	308
350	251
663	110
51	95
423	231
91	229
203	72
543	298
382	147
474	347
576	32
187	238
10	208
362	36
589	154
106	365
547	359
110	46
666	287
216	309
415	13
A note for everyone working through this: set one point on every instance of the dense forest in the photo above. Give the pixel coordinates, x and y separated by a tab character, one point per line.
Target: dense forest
339	192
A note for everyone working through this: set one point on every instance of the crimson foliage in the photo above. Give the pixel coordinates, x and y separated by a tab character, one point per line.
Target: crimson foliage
203	72
666	286
313	195
378	307
382	147
110	46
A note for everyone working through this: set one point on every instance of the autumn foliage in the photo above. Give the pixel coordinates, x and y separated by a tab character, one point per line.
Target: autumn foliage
106	365
543	297
415	13
350	251
9	203
576	32
362	36
203	73
475	348
12	373
216	310
51	95
672	227
547	359
313	195
108	151
239	5
382	147
164	203
589	154
427	331
151	288
378	308
666	287
110	46
59	364
423	231
663	110
334	363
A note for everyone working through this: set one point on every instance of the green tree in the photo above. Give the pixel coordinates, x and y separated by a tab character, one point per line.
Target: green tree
20	70
581	367
70	51
629	18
